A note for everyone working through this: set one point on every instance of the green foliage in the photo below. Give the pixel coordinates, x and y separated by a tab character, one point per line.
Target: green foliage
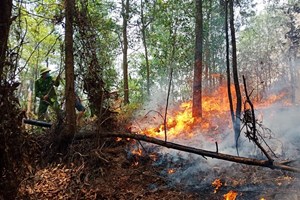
100	27
127	113
35	38
261	44
171	43
265	50
169	35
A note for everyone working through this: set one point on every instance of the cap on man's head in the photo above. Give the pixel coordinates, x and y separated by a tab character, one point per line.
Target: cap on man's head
44	70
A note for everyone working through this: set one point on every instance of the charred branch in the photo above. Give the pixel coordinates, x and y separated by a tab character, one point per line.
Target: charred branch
250	123
204	153
37	123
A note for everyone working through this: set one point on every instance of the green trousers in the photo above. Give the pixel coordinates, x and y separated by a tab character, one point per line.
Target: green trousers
43	107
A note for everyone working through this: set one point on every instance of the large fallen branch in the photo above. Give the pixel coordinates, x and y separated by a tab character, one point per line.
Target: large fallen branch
205	153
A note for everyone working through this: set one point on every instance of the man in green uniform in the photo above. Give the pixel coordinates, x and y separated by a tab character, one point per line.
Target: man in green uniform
44	90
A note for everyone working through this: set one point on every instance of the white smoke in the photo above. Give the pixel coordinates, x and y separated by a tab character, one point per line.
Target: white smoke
197	173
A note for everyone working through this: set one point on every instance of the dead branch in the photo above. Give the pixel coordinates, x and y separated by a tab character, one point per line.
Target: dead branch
231	158
251	131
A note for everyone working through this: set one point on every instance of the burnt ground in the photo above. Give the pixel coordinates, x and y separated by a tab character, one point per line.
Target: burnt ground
110	169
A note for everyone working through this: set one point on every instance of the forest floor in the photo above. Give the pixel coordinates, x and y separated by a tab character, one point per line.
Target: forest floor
110	168
98	169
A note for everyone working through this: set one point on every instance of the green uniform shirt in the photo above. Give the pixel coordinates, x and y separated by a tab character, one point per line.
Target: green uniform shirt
45	87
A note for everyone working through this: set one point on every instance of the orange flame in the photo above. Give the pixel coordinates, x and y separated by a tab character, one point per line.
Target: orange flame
215	116
153	157
231	195
171	171
137	152
217	184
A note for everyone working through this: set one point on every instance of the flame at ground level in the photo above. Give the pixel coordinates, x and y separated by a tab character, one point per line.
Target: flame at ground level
231	195
217	184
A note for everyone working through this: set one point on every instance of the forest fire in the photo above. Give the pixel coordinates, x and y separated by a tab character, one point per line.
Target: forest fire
217	184
181	122
215	112
181	125
171	171
231	195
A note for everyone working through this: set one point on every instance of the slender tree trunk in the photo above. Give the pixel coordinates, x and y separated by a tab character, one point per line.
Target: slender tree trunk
237	123
125	14
292	75
29	103
292	56
69	59
5	22
228	65
197	85
207	59
144	26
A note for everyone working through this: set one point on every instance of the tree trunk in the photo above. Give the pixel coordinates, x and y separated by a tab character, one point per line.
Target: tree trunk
69	59
207	50
5	10
125	14
237	122
5	22
94	84
197	84
29	106
144	26
228	64
292	67
10	130
293	35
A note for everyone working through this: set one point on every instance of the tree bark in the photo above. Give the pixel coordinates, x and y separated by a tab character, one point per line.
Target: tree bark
5	10
94	84
228	64
237	121
207	47
125	14
293	35
69	59
205	153
197	84
5	22
143	30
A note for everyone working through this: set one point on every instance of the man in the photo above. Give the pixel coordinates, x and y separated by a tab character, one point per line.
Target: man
44	90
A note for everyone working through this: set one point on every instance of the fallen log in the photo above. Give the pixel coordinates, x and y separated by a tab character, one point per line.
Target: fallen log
37	123
205	153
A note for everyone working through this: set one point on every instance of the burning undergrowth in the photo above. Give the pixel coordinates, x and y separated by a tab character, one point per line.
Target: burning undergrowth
199	175
213	132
